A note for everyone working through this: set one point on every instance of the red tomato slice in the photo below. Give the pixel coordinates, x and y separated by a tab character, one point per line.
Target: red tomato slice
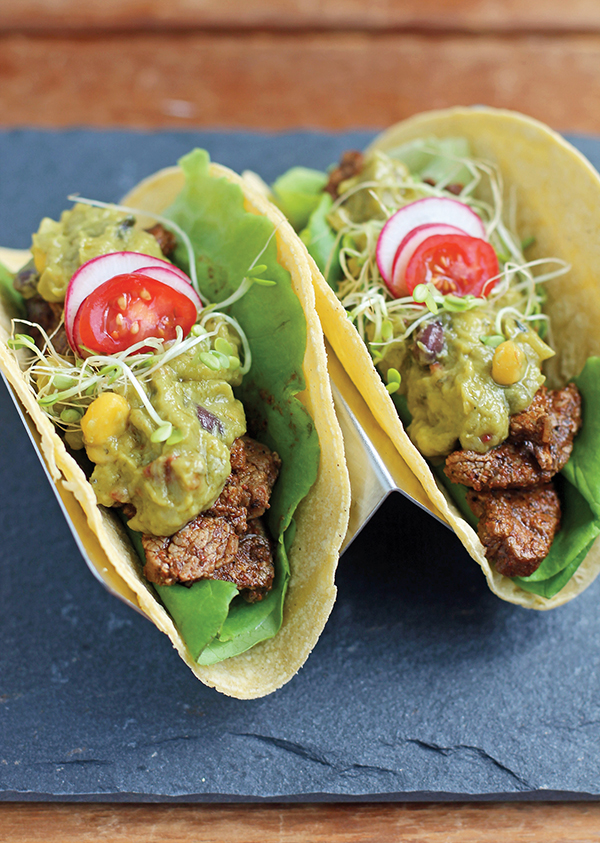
454	263
129	308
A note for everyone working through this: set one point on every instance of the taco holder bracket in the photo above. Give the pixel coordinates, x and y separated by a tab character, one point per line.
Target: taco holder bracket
375	467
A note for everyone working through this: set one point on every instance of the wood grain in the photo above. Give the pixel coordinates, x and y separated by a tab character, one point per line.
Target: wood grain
272	81
366	823
427	15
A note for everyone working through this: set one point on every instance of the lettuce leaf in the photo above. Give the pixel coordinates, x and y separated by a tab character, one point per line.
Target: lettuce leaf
12	300
214	621
580	493
297	193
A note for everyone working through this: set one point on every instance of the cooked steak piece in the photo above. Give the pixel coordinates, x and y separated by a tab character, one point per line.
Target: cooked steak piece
516	526
539	444
351	164
227	542
506	467
165	239
252	569
254	470
192	553
548	426
48	315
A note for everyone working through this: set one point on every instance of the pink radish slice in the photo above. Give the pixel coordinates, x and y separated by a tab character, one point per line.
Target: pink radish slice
407	248
432	209
172	279
96	271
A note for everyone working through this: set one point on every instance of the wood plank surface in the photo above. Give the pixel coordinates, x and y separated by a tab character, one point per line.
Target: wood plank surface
272	81
366	823
429	15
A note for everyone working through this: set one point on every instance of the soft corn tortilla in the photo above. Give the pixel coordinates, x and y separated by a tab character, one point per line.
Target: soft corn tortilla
321	519
557	198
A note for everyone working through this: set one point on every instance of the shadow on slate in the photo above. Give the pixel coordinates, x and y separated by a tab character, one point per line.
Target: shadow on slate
423	685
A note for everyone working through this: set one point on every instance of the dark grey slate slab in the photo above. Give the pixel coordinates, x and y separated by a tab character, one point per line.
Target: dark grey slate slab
423	685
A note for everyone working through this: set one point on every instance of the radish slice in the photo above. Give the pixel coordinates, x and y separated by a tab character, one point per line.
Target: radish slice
432	209
407	248
96	271
172	279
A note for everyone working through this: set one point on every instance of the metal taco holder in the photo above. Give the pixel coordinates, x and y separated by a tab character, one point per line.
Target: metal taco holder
375	467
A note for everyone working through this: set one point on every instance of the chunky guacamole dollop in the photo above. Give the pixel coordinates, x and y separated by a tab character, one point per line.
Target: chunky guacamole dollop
169	482
82	233
454	398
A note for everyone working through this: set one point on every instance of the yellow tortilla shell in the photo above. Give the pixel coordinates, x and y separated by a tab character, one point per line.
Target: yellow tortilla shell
321	518
557	195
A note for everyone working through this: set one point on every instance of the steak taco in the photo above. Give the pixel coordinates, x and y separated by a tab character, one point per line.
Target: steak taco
169	352
462	246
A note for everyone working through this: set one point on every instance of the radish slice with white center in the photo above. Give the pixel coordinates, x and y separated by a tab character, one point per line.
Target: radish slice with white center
96	271
406	250
432	209
172	279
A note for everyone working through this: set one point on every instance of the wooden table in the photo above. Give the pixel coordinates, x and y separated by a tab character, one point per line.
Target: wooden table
283	64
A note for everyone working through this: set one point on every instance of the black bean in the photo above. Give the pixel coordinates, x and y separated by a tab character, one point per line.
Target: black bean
429	342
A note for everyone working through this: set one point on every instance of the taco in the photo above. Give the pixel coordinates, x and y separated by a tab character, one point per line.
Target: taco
199	439
461	245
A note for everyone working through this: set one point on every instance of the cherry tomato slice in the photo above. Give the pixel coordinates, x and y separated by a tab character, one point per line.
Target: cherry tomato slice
454	263
129	308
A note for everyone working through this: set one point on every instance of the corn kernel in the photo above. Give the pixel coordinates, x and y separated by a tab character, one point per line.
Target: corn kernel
105	417
508	363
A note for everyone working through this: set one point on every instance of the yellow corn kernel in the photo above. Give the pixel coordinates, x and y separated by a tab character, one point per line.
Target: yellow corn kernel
105	417
508	363
39	258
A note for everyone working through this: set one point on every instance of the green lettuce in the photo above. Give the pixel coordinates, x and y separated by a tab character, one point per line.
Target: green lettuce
297	193
215	622
11	299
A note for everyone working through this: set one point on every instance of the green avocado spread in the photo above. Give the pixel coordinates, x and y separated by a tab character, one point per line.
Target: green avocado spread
83	233
169	483
455	401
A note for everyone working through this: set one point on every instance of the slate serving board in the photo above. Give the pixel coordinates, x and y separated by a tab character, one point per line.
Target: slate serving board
423	685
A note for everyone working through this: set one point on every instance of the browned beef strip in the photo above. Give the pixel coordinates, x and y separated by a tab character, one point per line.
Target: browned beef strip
351	164
192	553
548	426
252	569
506	467
539	445
516	526
226	542
48	315
254	470
165	239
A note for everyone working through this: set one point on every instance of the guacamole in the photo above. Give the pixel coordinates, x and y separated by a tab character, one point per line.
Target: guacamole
454	399
170	482
83	233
